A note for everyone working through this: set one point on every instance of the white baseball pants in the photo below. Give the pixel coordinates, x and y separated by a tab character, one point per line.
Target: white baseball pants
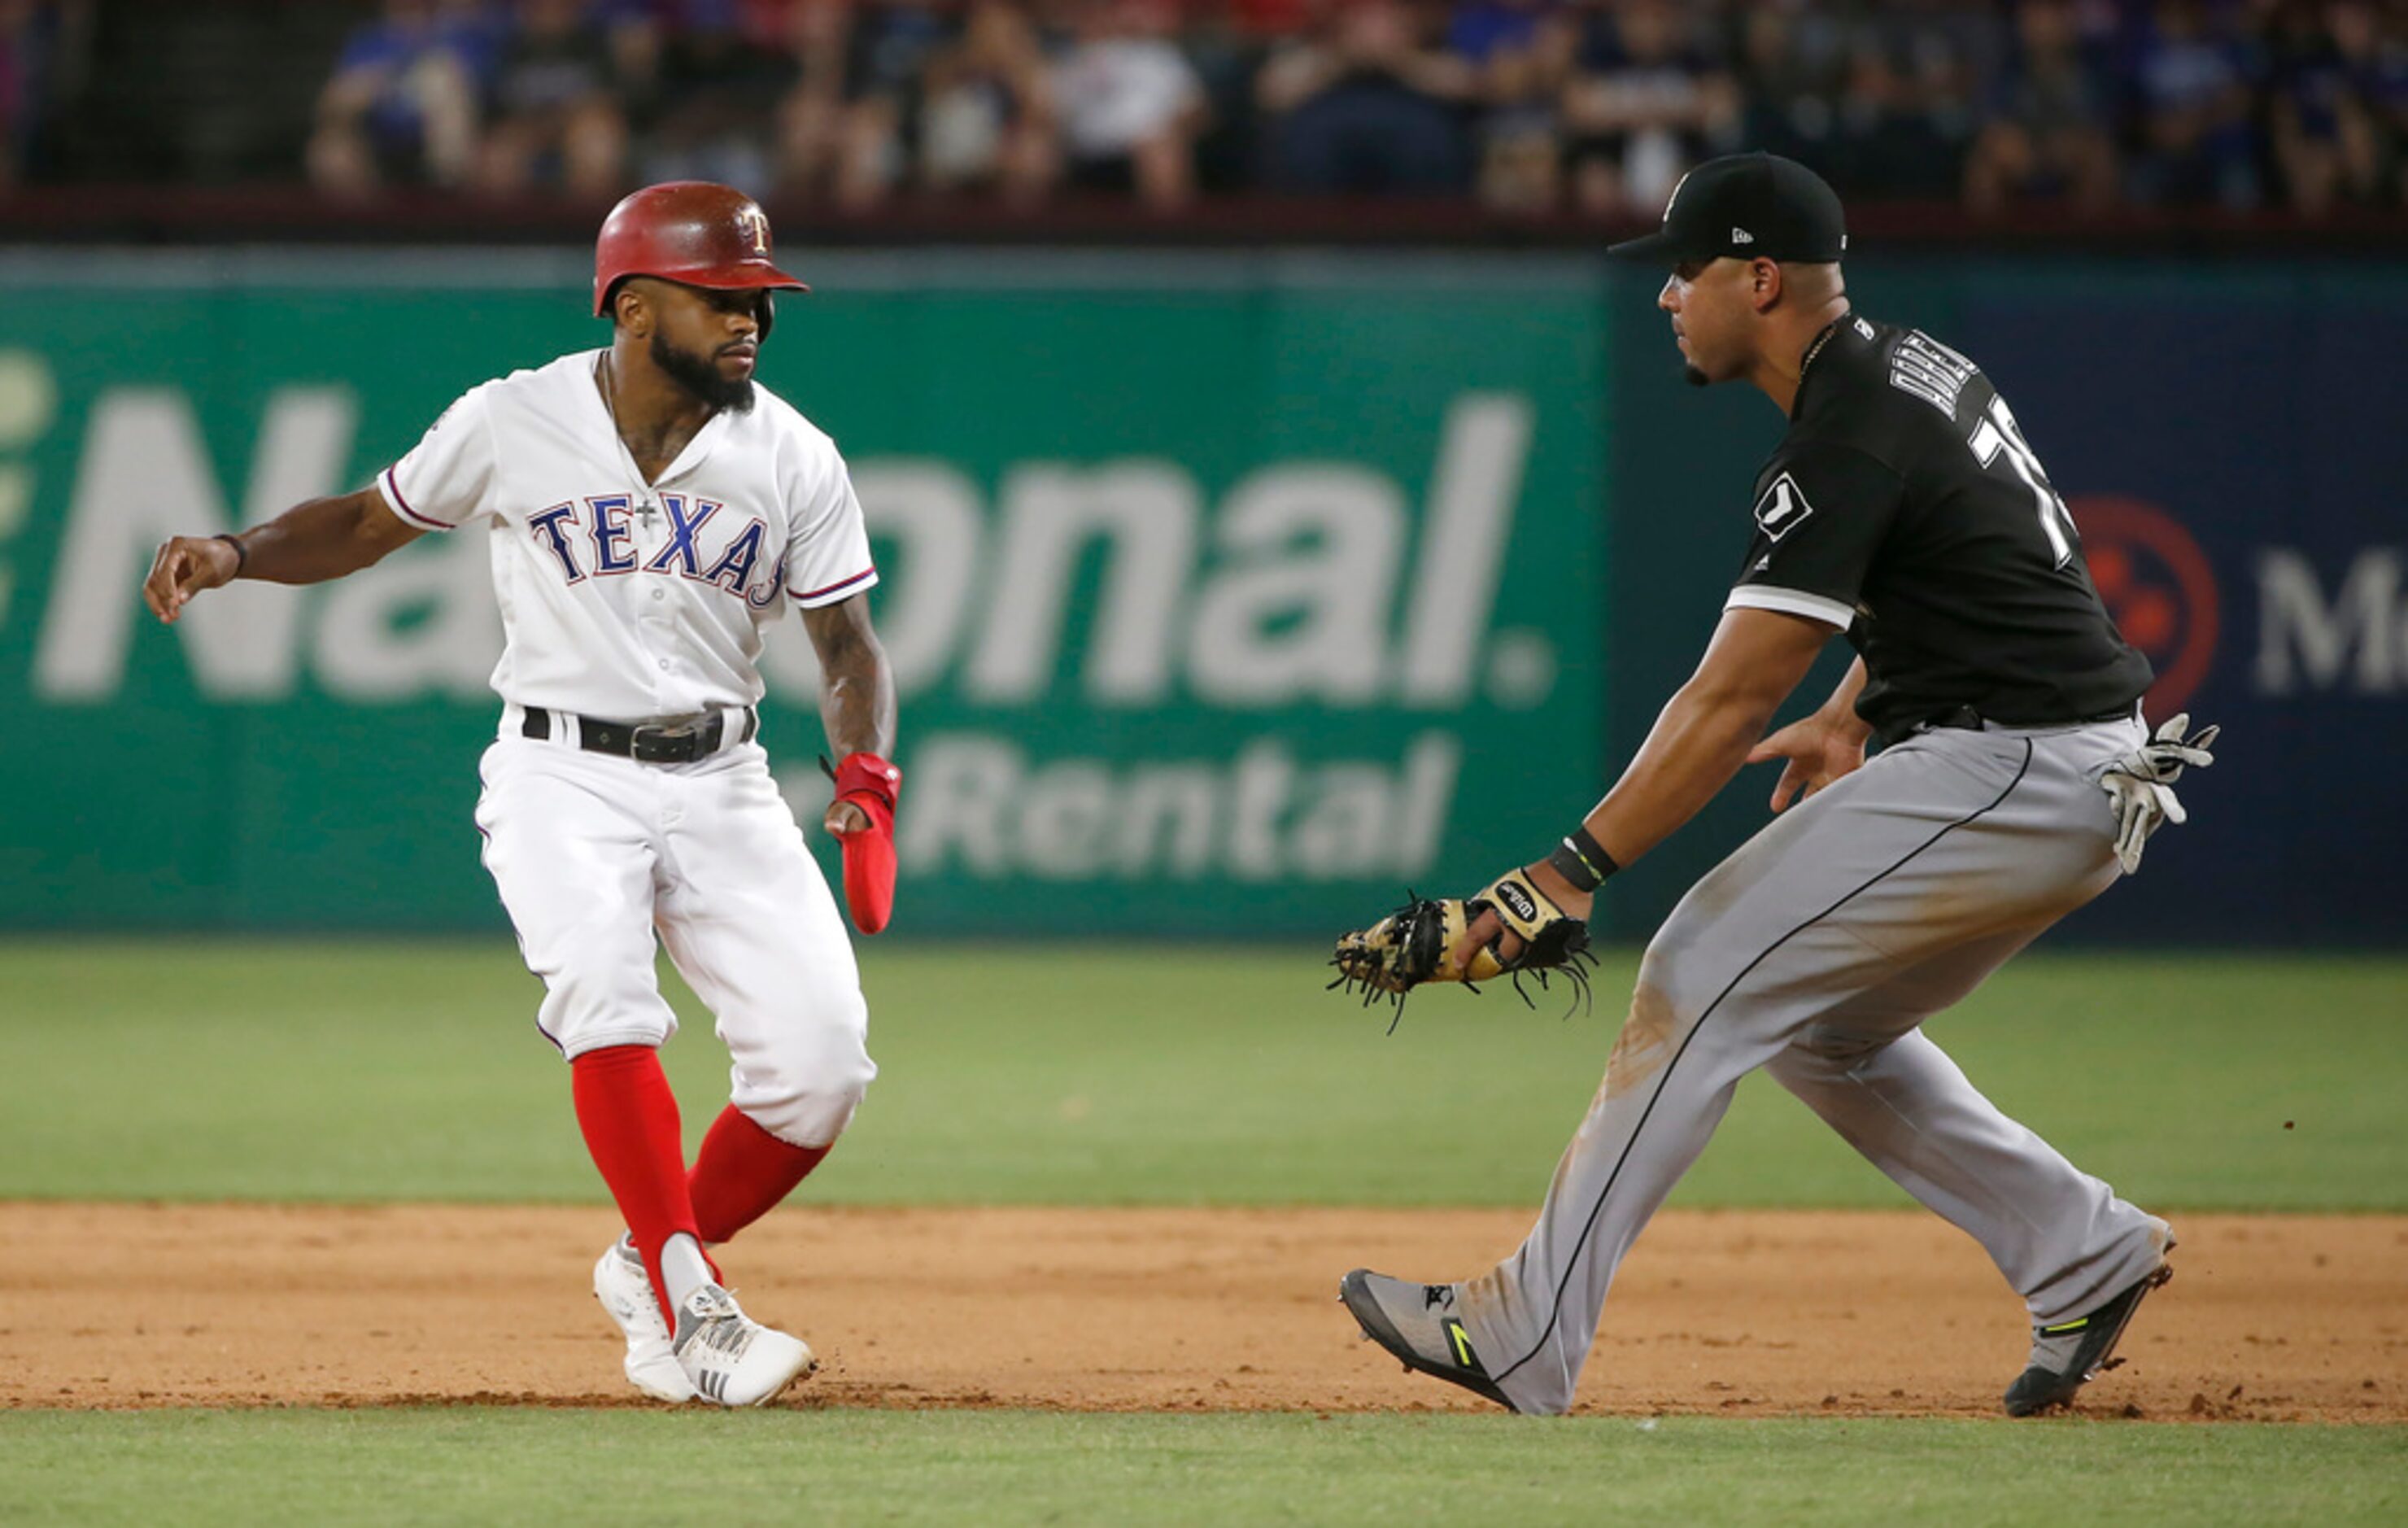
594	854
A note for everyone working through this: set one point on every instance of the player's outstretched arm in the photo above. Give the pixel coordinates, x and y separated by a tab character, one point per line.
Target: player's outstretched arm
309	543
1707	729
1703	735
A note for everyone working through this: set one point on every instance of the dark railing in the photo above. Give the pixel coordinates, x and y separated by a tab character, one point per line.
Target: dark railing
143	214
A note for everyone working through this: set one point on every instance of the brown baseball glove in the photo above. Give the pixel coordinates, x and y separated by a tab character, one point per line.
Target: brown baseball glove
1411	944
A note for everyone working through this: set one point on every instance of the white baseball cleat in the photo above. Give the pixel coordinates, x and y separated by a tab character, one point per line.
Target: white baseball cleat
730	1358
626	1291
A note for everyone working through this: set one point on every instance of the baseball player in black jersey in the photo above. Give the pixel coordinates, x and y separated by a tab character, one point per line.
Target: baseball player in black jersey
2014	782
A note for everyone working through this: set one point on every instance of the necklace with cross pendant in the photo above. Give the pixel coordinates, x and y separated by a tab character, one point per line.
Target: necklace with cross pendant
645	510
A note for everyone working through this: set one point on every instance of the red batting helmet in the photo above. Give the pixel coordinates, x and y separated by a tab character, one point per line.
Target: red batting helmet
688	231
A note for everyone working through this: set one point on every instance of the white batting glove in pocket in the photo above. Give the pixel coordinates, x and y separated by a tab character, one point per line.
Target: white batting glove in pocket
2140	784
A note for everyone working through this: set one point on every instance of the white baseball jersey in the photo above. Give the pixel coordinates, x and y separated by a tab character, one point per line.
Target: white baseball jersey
621	600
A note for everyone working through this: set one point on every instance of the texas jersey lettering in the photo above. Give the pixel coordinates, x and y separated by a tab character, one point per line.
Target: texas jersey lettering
605	522
626	600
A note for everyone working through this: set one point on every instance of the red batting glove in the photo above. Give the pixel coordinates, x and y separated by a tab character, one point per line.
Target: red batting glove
871	783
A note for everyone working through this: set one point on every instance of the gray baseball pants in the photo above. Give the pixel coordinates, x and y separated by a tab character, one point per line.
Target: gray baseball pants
1816	950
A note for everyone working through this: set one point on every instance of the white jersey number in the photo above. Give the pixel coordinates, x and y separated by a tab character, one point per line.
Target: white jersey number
1997	433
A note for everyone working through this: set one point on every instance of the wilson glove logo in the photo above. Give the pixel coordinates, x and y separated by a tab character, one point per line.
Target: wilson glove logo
1517	901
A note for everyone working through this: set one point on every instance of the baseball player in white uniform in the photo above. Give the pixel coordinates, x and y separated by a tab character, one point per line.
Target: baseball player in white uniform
652	510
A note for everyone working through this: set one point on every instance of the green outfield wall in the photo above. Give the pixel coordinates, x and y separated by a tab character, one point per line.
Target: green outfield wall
1220	595
1229	594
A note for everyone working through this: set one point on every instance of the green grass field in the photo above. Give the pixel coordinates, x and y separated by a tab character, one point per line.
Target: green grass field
1174	1076
986	1468
412	1071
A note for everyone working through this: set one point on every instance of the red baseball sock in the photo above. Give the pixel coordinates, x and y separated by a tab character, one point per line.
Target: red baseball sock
741	1173
630	1120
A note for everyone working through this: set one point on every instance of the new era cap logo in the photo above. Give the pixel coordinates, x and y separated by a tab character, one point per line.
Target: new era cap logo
1741	236
1782	508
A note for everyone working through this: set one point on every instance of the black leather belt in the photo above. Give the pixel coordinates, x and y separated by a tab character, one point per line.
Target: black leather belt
1968	719
644	742
1965	718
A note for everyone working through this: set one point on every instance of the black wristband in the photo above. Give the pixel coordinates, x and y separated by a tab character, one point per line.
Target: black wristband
241	553
1581	860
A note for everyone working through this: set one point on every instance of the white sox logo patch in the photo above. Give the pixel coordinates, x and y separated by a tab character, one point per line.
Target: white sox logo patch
1782	508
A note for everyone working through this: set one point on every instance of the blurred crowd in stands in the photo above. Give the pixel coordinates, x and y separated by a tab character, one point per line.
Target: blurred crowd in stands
1543	106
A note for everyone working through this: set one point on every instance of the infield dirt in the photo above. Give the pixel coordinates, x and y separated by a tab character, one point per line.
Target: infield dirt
1742	1313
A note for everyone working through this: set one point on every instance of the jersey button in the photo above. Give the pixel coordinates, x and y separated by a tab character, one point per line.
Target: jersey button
664	665
660	594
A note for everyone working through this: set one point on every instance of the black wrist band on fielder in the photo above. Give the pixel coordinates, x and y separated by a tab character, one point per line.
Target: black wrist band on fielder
241	553
1581	860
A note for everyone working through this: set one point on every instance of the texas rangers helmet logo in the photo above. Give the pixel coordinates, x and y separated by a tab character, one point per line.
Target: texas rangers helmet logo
1781	508
755	224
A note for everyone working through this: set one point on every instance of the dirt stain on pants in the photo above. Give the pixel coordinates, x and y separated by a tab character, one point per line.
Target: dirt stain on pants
1645	1044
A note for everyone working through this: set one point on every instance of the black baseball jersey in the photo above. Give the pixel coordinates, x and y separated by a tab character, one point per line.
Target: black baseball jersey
1905	507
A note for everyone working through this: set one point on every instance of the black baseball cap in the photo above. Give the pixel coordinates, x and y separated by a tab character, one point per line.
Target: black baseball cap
1749	207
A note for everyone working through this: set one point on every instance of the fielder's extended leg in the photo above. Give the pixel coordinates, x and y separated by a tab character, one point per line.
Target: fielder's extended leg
1952	840
2062	1238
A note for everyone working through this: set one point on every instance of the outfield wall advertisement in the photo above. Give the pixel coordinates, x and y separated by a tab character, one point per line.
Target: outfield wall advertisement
1214	605
1228	595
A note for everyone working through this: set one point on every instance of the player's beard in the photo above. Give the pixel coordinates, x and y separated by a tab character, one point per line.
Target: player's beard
1695	375
700	375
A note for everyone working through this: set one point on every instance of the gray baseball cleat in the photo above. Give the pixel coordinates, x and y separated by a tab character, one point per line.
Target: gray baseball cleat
1417	1323
732	1359
2067	1355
